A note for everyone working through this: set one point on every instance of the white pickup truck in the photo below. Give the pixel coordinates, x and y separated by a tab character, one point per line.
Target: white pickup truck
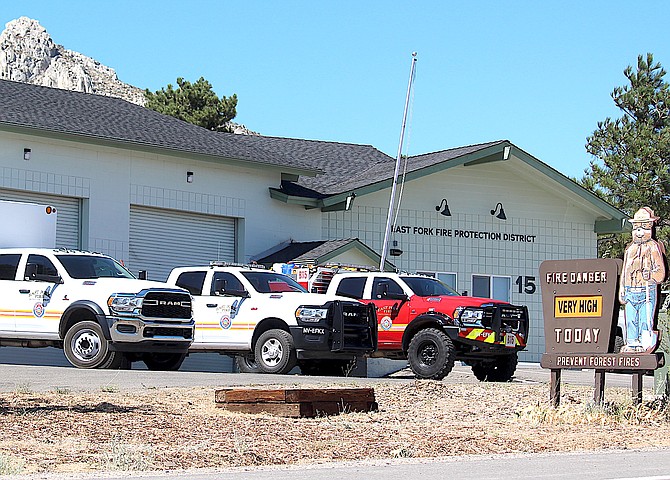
92	307
270	323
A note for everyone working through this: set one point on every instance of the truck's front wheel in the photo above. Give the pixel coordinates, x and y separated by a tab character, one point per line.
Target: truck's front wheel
275	352
85	346
431	354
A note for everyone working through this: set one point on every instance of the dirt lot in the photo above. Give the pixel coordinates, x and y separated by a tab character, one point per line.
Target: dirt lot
180	428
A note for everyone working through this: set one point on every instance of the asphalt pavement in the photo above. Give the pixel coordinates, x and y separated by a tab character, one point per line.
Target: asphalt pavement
49	378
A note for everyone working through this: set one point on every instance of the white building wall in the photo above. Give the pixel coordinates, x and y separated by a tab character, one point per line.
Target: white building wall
108	180
552	226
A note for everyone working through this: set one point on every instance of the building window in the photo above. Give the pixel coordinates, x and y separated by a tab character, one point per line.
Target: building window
492	286
448	278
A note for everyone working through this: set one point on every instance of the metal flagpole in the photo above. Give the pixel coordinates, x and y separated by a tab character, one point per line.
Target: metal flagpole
397	167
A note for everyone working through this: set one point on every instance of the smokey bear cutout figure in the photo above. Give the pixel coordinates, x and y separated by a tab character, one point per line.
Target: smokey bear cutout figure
643	272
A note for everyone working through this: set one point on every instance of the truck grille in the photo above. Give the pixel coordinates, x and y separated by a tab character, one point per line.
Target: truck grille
506	318
354	326
173	305
153	332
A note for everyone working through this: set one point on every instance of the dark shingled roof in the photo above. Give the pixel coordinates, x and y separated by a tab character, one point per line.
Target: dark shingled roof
306	252
339	167
112	119
346	167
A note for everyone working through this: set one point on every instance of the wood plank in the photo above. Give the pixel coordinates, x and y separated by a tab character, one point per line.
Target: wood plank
250	395
255	395
294	410
330	394
303	409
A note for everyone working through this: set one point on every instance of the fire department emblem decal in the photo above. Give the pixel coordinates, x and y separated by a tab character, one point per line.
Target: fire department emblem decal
386	323
225	322
38	310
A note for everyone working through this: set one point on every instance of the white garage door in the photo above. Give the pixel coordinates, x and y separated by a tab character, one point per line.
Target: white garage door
68	225
163	239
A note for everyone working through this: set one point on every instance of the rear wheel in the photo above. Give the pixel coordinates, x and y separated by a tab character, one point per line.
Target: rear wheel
502	370
275	352
247	363
163	361
431	354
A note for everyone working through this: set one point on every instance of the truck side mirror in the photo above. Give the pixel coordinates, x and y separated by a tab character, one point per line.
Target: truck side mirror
32	275
142	275
221	288
31	271
384	293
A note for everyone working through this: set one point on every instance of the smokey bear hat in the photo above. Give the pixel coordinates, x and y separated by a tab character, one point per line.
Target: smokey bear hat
644	215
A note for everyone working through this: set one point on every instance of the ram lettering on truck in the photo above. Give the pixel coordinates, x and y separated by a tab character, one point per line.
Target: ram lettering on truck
429	324
270	323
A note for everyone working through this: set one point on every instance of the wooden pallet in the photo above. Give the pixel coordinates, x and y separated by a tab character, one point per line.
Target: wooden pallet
303	402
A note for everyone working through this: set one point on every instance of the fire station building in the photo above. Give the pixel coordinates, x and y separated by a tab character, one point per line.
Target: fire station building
157	193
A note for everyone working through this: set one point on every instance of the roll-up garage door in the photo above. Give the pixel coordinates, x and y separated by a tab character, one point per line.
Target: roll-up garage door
163	239
68	224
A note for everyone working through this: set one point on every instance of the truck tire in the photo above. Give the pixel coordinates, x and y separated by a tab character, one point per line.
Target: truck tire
275	352
502	370
163	362
85	346
247	363
431	354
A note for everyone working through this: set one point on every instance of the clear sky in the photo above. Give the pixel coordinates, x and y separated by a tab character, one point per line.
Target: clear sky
537	73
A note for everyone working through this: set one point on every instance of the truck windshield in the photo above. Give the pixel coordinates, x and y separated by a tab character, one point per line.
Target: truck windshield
428	287
93	266
270	282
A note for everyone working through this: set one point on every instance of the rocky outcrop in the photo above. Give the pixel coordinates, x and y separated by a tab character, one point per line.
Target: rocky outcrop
29	55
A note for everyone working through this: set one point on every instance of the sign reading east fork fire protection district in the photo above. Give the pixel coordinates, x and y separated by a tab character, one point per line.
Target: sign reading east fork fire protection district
578	298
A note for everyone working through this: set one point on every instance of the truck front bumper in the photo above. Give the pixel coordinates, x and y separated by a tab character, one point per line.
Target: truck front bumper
316	343
137	335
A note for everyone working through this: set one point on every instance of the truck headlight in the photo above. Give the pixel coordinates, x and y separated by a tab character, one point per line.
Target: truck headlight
311	314
469	315
121	304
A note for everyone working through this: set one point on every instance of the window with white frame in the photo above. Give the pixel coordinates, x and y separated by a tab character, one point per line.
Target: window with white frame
492	286
448	278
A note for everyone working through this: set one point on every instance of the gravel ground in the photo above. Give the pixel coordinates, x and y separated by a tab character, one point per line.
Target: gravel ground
182	428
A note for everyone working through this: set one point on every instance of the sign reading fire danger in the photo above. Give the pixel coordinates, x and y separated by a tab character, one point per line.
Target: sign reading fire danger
578	307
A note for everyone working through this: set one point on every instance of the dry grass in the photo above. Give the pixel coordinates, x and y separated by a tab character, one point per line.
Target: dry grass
176	428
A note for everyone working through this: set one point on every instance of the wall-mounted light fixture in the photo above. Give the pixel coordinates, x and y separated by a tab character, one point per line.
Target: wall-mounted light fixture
445	211
189	177
26	153
350	201
395	251
499	212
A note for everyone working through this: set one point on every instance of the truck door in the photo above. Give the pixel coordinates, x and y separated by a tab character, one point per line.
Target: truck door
40	300
213	312
9	264
392	313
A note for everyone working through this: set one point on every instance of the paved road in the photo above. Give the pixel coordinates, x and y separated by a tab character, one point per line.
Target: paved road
609	465
46	378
